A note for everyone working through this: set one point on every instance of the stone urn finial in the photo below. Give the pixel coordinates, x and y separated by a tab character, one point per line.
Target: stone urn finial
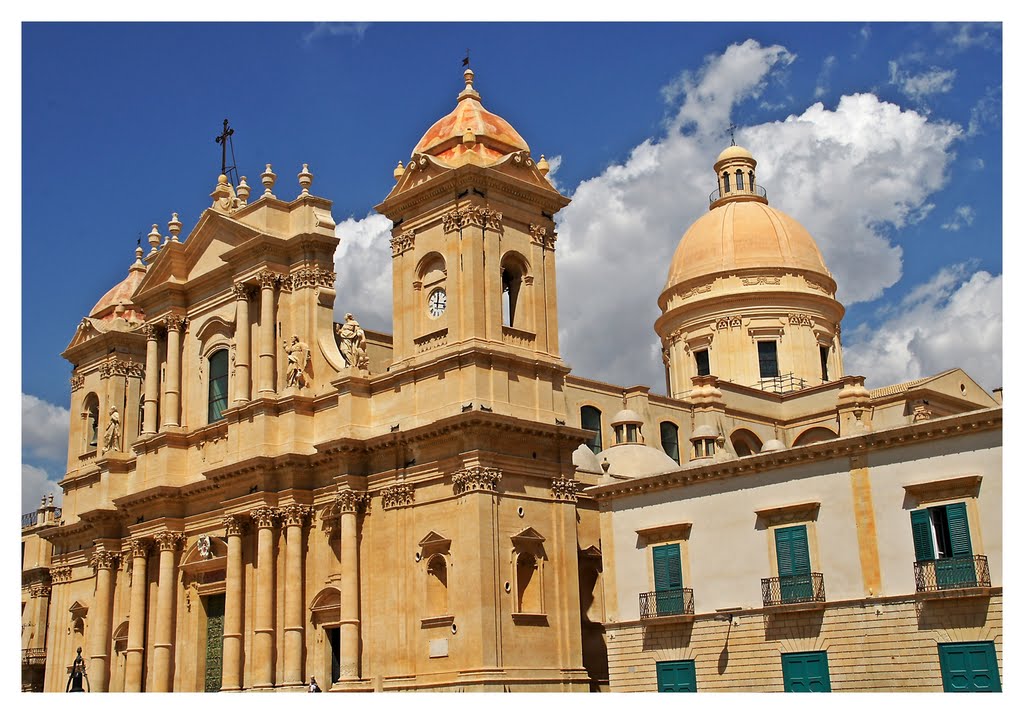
154	239
174	226
399	170
543	166
243	191
268	177
305	179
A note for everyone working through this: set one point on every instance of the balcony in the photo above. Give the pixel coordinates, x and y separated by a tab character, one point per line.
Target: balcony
782	384
794	592
953	577
676	603
33	656
755	190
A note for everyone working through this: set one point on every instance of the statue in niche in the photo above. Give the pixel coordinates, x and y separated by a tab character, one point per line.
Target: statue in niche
112	436
352	343
298	358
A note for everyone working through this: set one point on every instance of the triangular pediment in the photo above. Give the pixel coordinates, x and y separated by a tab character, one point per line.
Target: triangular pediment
434	542
528	535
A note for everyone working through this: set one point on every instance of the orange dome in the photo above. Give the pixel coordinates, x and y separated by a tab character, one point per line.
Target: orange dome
743	234
121	294
734	152
492	136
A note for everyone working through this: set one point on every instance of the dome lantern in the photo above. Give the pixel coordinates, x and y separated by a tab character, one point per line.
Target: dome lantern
734	169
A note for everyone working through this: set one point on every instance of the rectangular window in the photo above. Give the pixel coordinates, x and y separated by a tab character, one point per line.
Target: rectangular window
942	534
703	362
969	667
590	418
823	352
768	358
805	672
794	563
668	579
218	385
678	676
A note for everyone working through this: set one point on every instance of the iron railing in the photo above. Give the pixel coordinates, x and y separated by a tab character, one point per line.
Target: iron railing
969	571
663	603
781	384
755	190
788	589
28	519
33	655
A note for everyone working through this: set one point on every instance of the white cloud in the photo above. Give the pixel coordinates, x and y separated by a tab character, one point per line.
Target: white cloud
555	163
850	175
822	86
35	483
986	111
971	34
44	429
363	264
921	86
953	320
355	30
962	217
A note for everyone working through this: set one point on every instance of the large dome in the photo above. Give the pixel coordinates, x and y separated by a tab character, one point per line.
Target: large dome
121	295
738	235
493	136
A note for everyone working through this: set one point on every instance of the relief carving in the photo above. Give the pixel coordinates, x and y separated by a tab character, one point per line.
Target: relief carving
60	574
539	236
312	278
564	489
761	280
104	559
138	547
403	242
699	289
175	322
268	279
77	381
401	494
242	291
352	501
800	319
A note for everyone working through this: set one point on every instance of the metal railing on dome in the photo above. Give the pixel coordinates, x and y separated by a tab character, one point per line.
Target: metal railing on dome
754	190
781	384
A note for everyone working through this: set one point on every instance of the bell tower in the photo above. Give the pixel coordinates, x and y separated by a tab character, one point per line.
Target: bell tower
473	243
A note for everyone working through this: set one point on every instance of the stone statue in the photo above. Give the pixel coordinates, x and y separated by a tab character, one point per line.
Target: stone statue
298	358
76	674
352	342
112	436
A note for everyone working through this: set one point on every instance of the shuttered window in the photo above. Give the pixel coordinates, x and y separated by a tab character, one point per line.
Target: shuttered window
794	563
668	579
941	532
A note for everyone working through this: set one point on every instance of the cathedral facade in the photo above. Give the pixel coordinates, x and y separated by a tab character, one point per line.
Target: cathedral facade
256	494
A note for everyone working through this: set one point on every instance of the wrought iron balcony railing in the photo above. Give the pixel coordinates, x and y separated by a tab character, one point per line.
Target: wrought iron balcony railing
663	603
790	589
948	573
755	190
33	655
781	384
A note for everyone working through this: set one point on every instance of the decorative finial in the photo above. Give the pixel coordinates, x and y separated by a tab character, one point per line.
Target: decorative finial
138	257
305	179
468	76
268	177
154	239
399	170
543	166
42	500
243	191
468	137
51	498
174	225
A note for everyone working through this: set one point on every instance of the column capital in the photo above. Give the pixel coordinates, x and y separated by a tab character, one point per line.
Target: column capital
398	495
175	323
139	547
242	291
475	478
152	330
564	489
350	501
295	514
268	279
104	559
265	517
234	525
169	540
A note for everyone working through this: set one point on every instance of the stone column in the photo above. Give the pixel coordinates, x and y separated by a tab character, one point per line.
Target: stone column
172	388
103	562
152	381
267	353
243	350
294	517
263	642
136	617
348	502
234	527
163	645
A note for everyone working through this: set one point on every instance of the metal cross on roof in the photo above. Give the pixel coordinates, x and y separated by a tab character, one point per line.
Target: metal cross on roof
224	139
732	133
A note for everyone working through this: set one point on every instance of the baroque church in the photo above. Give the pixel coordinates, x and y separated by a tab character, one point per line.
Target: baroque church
257	495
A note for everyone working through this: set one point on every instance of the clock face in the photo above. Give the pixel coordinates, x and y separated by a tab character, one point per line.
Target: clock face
437	302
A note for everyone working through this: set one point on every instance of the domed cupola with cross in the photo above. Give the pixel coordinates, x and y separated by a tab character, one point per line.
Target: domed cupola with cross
748	297
473	243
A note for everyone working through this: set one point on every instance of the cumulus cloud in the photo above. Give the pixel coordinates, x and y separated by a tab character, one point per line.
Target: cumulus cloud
851	175
44	429
952	320
962	217
363	264
355	30
36	483
919	87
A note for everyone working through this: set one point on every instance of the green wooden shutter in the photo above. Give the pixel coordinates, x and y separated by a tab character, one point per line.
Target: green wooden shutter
921	525
791	551
668	573
959	532
969	667
679	676
806	672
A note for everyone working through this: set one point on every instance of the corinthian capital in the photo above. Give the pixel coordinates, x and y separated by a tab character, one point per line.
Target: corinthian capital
103	559
233	526
295	515
139	548
175	322
265	517
169	540
268	279
242	291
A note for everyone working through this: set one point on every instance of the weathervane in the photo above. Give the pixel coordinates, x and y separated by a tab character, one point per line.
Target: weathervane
224	139
465	60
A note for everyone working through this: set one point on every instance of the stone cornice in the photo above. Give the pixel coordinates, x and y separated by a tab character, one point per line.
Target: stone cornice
843	447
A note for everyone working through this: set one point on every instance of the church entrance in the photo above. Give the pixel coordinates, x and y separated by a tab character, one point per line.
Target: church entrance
214	640
334	640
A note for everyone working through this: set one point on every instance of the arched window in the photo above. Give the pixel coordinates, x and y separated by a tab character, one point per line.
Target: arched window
218	390
750	175
745	442
437	585
739	180
670	440
725	178
590	418
513	271
91	418
814	435
527	584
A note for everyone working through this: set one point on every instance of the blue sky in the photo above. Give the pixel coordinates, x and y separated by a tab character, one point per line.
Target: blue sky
883	139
